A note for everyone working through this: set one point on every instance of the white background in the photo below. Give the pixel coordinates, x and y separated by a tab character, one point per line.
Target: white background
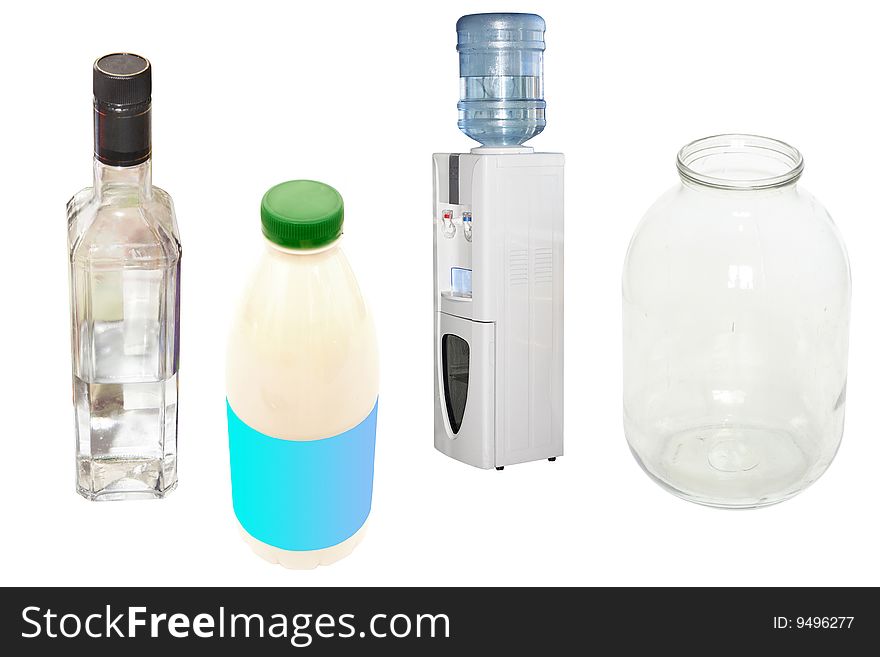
359	95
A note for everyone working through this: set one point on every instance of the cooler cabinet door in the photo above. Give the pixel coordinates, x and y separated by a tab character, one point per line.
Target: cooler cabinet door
464	390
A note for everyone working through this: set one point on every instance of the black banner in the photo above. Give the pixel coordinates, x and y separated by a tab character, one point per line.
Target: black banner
437	621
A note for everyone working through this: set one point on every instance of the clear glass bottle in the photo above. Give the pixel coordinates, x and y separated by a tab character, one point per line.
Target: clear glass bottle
125	300
736	300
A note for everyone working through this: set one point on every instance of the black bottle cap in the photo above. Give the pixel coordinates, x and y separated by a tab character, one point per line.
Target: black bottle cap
122	84
122	80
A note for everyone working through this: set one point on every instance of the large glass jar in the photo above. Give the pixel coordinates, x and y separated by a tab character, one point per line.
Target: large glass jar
736	299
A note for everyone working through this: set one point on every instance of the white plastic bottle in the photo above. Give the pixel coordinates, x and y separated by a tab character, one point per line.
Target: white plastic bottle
302	387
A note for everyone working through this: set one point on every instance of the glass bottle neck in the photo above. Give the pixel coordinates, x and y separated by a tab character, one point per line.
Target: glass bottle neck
740	163
134	180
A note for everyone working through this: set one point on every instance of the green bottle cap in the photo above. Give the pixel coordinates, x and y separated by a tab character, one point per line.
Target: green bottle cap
302	214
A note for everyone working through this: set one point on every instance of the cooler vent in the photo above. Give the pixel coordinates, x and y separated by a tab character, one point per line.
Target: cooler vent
518	266
544	265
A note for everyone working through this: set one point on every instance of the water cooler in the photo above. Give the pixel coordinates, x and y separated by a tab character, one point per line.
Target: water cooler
498	257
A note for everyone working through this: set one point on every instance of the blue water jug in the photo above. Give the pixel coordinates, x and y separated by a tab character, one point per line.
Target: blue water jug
501	63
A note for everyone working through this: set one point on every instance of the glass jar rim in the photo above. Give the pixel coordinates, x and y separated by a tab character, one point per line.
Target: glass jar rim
740	162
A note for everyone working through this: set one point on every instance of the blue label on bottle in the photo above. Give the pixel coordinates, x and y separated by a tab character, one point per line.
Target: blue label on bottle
302	495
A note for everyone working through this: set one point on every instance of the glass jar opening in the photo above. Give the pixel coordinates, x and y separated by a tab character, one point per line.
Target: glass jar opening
740	162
